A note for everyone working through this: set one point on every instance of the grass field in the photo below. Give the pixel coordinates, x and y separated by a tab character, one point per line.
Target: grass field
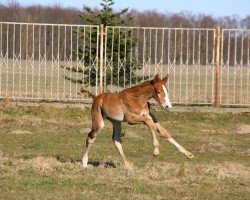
41	149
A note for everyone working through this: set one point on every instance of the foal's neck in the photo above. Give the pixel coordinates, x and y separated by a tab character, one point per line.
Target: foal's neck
143	92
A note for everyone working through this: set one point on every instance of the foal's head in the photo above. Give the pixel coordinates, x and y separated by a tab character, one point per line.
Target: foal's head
160	93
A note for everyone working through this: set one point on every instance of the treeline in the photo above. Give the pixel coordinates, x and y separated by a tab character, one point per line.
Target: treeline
14	12
188	20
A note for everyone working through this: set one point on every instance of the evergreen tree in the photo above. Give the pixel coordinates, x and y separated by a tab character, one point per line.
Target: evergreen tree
119	45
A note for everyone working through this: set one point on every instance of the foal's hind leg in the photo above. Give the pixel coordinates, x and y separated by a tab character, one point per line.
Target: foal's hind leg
97	125
118	143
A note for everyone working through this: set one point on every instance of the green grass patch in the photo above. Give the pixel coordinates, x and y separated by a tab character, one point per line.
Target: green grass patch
41	150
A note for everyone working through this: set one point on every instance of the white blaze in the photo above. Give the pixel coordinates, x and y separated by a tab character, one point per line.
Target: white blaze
166	98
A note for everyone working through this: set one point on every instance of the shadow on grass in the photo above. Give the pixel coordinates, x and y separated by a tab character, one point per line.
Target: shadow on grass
107	164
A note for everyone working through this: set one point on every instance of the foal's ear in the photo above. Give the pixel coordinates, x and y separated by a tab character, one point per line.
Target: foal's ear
164	80
157	78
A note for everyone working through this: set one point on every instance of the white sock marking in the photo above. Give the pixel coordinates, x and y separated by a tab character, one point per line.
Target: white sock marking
179	147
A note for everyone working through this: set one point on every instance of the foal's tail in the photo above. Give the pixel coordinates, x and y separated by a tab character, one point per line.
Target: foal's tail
88	93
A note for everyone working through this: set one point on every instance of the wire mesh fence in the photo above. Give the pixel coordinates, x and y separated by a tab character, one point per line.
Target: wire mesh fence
47	61
235	62
52	61
188	55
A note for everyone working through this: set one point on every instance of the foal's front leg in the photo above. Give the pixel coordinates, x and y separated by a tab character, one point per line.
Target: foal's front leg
150	124
147	120
166	135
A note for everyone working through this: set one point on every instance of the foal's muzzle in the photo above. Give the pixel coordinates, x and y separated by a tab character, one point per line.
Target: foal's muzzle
166	106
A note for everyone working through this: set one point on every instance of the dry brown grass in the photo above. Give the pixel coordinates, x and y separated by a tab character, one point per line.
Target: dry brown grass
29	119
46	164
21	132
178	176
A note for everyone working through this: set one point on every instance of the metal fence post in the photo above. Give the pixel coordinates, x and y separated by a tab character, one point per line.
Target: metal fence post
218	68
101	59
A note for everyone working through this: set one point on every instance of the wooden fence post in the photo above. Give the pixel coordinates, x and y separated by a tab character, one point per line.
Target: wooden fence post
101	59
218	68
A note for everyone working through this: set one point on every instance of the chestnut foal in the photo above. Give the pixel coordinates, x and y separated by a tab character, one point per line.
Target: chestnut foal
130	105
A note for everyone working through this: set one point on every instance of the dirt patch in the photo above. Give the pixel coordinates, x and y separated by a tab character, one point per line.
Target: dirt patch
21	132
212	147
243	129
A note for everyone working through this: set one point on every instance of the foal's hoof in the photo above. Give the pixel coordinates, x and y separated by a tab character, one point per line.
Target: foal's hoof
87	166
156	152
190	155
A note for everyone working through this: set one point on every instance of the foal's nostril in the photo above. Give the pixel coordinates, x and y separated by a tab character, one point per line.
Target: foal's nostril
165	107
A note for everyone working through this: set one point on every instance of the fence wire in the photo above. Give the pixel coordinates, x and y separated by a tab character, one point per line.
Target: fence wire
135	54
47	61
52	61
235	62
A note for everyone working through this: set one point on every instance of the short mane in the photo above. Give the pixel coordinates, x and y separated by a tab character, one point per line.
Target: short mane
145	83
141	89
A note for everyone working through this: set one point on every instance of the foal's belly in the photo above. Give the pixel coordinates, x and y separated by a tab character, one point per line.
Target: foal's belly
116	115
114	112
112	108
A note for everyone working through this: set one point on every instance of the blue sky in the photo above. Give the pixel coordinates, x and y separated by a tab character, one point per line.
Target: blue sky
214	7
